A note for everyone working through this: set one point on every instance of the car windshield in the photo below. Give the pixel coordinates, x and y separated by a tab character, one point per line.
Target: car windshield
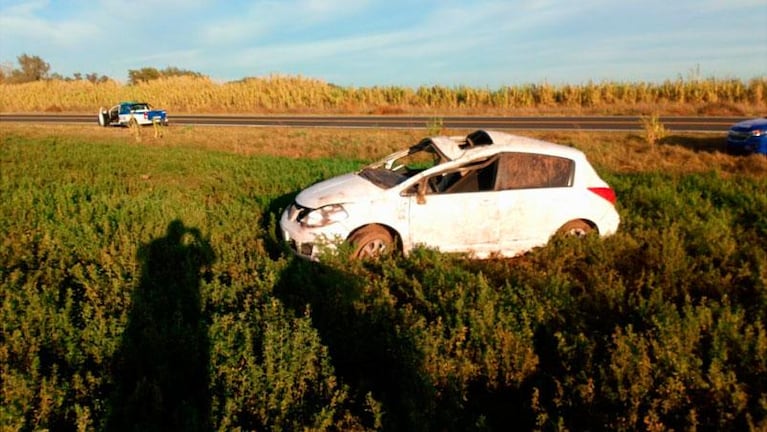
139	107
400	166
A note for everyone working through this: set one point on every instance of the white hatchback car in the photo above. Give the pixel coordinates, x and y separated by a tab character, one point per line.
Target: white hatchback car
488	193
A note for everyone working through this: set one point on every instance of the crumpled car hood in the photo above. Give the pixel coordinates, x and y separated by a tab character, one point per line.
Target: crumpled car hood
338	190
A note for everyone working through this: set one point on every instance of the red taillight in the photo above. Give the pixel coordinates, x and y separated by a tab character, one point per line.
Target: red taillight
605	192
146	115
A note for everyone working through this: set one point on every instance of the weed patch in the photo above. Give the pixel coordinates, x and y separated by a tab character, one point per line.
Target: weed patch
142	285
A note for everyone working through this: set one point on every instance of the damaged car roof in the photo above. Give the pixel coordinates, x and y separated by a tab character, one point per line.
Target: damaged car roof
456	147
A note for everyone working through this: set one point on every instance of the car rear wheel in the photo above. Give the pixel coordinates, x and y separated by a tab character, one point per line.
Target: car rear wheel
371	241
576	228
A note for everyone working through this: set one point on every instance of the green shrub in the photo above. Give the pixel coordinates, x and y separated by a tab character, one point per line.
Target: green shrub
145	287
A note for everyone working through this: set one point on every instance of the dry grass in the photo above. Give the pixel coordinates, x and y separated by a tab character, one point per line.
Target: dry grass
620	152
285	94
360	144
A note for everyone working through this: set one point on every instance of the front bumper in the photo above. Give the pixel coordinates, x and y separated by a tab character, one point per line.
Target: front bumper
747	147
306	242
744	143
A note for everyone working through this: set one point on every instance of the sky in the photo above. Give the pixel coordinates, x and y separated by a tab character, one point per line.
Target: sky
366	43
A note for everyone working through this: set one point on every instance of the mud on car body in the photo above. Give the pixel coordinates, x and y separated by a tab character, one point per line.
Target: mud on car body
487	193
126	112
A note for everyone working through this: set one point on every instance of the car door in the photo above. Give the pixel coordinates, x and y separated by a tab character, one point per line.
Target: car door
456	210
125	114
537	198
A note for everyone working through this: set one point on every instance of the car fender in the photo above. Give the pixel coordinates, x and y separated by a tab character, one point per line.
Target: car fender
395	220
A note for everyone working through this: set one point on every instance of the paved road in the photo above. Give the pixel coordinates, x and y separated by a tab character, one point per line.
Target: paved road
615	123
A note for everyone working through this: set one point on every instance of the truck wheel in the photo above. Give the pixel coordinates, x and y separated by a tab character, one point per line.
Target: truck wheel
371	241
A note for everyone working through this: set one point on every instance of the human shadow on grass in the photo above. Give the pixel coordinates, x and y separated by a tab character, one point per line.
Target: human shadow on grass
160	370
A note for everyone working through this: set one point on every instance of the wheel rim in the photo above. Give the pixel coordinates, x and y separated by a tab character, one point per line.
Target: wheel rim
373	249
578	232
576	229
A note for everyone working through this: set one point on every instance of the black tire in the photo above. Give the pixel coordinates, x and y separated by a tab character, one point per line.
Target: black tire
576	228
371	242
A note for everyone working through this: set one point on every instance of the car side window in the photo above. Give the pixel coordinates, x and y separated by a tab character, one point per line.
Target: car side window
530	171
478	176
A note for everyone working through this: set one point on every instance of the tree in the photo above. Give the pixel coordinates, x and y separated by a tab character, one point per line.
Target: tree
136	76
33	68
146	74
174	71
95	78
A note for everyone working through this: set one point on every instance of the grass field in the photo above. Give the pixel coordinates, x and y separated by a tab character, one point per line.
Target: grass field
142	287
296	94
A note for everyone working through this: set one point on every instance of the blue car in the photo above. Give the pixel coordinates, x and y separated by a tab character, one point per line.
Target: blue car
125	113
749	136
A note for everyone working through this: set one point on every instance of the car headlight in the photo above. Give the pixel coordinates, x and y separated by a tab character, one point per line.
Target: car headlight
758	132
324	216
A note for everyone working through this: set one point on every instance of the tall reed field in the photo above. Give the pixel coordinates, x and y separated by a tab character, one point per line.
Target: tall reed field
143	287
305	95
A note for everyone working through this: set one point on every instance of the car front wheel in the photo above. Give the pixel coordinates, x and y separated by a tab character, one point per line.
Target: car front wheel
371	241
